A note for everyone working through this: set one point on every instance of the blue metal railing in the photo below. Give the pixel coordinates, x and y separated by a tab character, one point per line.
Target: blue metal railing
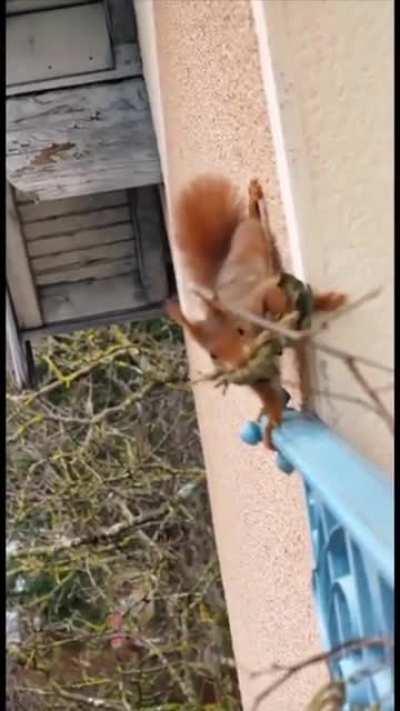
350	507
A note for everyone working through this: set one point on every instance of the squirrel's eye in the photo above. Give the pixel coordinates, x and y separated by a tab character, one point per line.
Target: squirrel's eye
213	356
240	331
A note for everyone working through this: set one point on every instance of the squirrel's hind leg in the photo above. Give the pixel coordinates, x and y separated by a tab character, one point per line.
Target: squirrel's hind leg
255	195
258	210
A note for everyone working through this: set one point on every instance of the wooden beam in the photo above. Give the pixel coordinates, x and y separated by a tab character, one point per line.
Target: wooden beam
148	223
19	277
30	212
17	365
80	141
139	314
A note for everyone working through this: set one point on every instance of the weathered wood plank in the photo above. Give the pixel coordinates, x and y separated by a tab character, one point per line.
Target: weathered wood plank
99	270
23	198
17	365
80	240
139	314
80	43
81	257
147	215
78	141
72	223
87	299
128	64
66	262
19	277
54	208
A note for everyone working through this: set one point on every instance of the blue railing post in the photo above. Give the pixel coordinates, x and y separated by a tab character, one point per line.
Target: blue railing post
351	515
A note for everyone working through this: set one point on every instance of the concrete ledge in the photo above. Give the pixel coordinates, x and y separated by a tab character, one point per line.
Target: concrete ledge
202	68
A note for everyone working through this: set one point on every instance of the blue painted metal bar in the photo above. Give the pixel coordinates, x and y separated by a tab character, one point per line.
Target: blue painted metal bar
351	515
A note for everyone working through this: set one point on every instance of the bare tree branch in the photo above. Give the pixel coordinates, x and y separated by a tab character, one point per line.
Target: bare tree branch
381	409
289	671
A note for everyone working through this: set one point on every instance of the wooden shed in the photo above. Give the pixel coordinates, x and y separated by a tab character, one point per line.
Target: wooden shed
86	241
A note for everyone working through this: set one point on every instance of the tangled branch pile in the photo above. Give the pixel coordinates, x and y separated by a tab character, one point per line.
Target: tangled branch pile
112	566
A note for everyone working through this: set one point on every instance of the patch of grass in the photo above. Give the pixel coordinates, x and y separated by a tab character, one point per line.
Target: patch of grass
115	574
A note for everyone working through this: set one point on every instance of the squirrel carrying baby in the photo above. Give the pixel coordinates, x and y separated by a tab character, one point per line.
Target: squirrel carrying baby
232	261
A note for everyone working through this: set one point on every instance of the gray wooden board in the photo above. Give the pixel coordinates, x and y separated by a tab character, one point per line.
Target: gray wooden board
71	223
80	240
98	270
19	276
80	141
56	43
16	6
144	313
96	263
82	257
31	212
127	63
87	299
148	222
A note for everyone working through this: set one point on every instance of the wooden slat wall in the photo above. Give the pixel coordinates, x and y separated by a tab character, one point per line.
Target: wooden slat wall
82	255
93	255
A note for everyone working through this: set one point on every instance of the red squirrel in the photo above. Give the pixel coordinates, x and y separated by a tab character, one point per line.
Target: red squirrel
232	257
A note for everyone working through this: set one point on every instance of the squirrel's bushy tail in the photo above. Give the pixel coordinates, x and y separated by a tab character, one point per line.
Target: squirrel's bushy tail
207	214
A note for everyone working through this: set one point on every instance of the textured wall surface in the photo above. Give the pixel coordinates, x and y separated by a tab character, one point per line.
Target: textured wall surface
333	63
215	119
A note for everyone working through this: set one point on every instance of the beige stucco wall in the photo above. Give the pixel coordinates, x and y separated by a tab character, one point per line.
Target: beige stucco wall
332	63
208	87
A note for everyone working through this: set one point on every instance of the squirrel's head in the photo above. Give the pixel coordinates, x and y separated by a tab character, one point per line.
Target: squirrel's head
226	338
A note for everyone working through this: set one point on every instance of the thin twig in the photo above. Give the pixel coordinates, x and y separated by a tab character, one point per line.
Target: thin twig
209	377
68	379
297	336
88	700
111	532
342	354
381	409
344	310
289	671
336	396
